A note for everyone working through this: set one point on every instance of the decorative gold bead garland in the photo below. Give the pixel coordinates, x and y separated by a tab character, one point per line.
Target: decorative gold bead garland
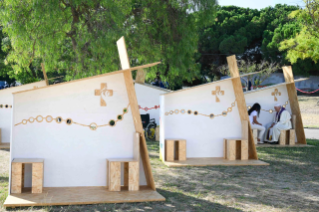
211	116
271	110
69	121
5	106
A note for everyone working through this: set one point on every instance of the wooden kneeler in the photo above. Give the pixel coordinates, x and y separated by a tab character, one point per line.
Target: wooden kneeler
17	175
237	149
287	137
175	150
131	169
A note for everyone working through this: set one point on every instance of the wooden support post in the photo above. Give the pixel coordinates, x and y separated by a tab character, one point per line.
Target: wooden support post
45	75
37	178
181	150
114	175
225	148
135	112
140	76
293	121
169	150
282	138
289	76
136	146
244	129
294	104
231	149
16	178
157	133
292	137
244	150
134	180
241	104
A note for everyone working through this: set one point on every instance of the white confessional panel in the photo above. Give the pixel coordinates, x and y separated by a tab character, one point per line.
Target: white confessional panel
204	135
6	113
74	155
267	101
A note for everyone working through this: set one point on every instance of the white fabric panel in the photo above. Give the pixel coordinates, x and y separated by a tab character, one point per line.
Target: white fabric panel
204	135
6	113
267	102
149	96
74	155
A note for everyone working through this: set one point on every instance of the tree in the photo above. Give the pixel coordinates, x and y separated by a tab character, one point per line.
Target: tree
264	69
79	36
305	44
248	33
4	68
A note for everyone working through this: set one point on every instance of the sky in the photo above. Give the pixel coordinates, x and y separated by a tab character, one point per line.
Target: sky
259	4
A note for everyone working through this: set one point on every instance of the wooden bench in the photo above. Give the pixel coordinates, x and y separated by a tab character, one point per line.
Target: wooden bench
237	148
131	169
175	149
288	137
18	172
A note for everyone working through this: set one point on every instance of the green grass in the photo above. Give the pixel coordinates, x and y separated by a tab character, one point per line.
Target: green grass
4	183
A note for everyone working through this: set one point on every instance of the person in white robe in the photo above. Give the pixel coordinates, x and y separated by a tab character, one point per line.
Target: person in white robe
281	121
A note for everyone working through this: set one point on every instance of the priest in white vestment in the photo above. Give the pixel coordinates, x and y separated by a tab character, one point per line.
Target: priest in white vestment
282	121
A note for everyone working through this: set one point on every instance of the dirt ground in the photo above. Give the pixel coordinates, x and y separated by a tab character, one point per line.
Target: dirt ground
290	183
309	107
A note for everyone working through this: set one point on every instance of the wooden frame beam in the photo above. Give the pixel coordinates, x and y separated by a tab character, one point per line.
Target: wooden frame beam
45	74
135	112
294	104
140	76
241	104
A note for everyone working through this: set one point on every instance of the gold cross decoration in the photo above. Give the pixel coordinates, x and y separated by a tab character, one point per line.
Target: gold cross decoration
217	92
276	93
103	91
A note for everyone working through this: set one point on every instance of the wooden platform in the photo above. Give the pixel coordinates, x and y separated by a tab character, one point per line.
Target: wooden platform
81	195
277	145
214	162
4	145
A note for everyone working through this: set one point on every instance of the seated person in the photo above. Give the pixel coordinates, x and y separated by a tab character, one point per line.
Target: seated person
281	122
253	113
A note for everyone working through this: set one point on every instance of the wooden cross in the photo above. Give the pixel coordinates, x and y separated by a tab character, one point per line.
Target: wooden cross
217	92
275	93
103	91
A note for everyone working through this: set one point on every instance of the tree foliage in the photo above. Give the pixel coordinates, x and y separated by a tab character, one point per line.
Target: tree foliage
304	45
264	69
4	69
78	36
252	35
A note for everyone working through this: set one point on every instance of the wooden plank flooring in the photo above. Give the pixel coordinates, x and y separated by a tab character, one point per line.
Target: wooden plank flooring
214	162
81	195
